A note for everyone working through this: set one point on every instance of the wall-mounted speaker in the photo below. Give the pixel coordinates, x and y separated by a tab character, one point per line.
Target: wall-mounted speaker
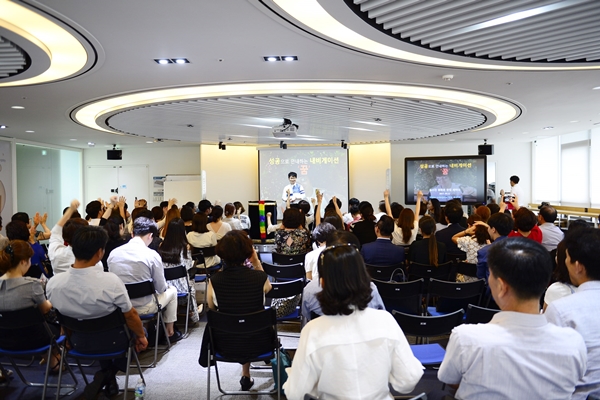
486	149
114	154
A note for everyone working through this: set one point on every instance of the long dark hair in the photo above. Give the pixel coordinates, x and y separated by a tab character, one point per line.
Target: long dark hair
437	210
427	226
175	243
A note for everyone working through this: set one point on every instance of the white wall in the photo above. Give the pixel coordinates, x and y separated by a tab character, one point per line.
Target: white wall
161	161
510	158
368	165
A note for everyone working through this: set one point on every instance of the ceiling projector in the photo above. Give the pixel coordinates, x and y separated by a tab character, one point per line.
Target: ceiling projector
285	130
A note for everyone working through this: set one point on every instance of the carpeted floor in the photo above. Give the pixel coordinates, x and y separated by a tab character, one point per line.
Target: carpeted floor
178	375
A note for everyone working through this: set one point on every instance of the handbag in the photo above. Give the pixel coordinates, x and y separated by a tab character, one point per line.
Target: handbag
286	362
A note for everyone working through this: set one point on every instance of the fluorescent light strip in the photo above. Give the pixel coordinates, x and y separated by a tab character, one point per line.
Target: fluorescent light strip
89	114
314	16
358	129
67	55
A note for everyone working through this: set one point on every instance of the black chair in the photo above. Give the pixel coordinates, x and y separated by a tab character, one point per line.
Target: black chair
177	273
285	272
416	271
29	319
466	268
282	290
143	289
201	273
387	273
229	342
113	322
424	327
284	259
456	257
406	297
479	315
453	296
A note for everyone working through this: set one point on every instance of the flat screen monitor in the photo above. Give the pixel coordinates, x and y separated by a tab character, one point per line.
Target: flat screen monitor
446	178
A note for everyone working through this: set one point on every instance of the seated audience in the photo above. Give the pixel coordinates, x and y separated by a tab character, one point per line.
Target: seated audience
499	226
434	210
87	292
238	289
354	216
407	225
580	310
382	251
172	213
157	213
319	235
562	285
217	225
135	262
37	220
200	237
350	217
494	208
229	217
454	214
17	230
115	228
428	251
205	207
292	238
471	240
239	214
381	211
187	213
331	355
364	229
484	212
526	225
94	211
538	360
551	234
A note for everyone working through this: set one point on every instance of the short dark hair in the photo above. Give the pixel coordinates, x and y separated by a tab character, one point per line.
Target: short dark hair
21	216
75	213
164	204
353	201
87	240
17	230
304	207
346	284
515	179
453	211
204	205
72	226
322	231
523	264
187	213
494	208
548	213
157	213
190	204
583	247
382	206
334	220
525	219
396	209
385	225
577	224
92	209
234	248
199	222
143	226
343	237
503	223
295	175
293	218
141	212
112	227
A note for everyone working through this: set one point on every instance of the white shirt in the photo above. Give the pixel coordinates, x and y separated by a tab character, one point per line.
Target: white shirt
580	311
223	229
296	192
134	262
516	191
558	290
310	262
551	235
244	220
397	235
207	239
352	357
515	356
60	255
234	223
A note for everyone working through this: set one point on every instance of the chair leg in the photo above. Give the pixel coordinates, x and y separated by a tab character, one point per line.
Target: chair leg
208	378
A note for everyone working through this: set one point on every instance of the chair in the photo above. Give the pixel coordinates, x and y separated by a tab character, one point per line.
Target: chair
479	315
284	259
424	327
143	289
386	273
114	321
453	296
31	318
177	273
281	290
405	297
466	268
456	257
285	272
202	274
416	271
228	333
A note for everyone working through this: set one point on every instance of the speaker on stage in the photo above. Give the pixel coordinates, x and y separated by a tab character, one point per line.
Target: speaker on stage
270	207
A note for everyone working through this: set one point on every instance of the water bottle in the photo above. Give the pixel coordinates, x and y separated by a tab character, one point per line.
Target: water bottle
140	388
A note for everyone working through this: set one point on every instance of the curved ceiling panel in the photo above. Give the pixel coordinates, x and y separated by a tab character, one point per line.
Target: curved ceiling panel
326	112
13	60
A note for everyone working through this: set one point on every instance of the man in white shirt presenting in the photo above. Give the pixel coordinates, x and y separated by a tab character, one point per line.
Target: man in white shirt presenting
518	354
294	190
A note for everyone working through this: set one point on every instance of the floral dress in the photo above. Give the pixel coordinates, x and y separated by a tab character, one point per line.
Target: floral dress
292	242
182	287
469	245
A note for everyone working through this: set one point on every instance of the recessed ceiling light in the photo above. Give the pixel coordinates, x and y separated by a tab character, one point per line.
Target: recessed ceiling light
370	123
18	107
359	129
149	142
73	140
180	60
3	126
452	140
574	121
29	131
257	126
546	128
91	144
163	61
290	58
272	58
596	88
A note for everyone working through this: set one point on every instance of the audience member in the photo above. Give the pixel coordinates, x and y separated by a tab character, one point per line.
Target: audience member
499	226
494	208
172	213
381	211
484	212
538	360
330	360
562	285
350	217
292	238
239	214
217	225
434	210
94	211
319	235
526	225
551	234
115	228
205	207
229	217
200	237
472	239
364	229
187	213
382	251
407	225
428	251
454	214
580	310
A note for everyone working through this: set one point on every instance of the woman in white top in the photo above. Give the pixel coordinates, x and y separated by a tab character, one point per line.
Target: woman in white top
217	225
330	360
229	214
239	214
563	286
200	237
407	225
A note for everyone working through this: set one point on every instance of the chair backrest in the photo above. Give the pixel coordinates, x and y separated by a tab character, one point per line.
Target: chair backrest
402	296
284	259
294	271
425	326
456	257
479	315
454	296
22	318
140	289
466	268
386	273
105	323
416	270
175	273
281	290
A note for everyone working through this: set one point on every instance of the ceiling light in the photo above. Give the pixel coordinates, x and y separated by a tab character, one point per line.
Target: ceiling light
370	123
312	14
547	128
272	58
29	131
91	144
163	61
18	107
290	58
66	54
574	121
596	88
149	142
257	126
3	126
452	140
73	140
359	129
180	60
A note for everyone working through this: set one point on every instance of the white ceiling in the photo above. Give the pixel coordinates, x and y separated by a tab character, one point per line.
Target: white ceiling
225	41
